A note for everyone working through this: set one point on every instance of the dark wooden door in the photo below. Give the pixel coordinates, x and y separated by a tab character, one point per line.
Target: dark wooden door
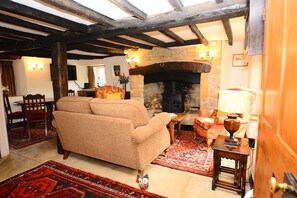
277	138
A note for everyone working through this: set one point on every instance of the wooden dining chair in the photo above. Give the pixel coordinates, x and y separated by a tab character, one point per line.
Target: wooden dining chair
9	114
71	92
35	110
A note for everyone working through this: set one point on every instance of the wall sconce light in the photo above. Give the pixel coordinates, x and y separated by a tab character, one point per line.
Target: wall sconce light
211	54
37	66
133	62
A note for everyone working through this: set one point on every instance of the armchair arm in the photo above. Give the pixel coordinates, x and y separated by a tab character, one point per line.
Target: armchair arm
155	124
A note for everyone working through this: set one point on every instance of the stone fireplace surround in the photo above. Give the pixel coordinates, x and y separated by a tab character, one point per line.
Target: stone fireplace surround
178	79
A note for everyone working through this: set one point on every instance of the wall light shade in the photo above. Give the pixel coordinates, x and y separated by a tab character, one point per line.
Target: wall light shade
133	62
128	60
212	54
202	55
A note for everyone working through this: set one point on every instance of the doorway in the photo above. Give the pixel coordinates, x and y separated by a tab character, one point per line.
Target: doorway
100	77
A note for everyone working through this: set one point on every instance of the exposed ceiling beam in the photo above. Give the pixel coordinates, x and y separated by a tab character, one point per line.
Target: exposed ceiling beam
75	8
172	35
188	42
199	35
20	33
207	12
94	49
26	24
228	30
176	4
23	10
129	42
149	39
107	44
129	8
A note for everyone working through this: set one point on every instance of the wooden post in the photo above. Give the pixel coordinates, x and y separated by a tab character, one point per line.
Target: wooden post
59	77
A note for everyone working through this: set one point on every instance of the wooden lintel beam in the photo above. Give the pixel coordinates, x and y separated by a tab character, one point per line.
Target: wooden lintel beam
228	30
176	4
149	39
94	49
23	10
129	8
107	44
172	35
26	24
199	35
130	43
73	7
24	35
188	42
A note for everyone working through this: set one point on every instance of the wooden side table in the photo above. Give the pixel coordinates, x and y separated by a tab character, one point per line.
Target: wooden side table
240	156
175	120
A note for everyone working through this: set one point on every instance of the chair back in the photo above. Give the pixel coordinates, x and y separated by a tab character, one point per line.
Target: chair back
108	89
71	92
34	107
6	103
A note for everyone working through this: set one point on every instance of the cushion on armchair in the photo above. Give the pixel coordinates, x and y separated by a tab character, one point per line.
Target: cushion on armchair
205	123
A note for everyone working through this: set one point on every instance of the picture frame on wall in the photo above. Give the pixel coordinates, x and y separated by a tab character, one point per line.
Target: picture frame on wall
116	70
238	60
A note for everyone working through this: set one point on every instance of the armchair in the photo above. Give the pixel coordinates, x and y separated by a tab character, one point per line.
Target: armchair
110	92
210	124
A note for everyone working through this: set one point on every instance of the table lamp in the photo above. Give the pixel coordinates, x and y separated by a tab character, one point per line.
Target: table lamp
234	102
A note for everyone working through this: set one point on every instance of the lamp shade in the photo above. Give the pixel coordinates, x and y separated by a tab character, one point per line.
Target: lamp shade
235	101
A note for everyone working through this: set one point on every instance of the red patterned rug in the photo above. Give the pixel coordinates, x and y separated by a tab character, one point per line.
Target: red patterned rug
187	154
53	179
18	138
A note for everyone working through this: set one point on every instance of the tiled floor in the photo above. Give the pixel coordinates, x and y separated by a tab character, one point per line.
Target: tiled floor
163	181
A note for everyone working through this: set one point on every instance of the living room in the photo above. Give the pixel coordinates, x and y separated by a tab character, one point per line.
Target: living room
225	73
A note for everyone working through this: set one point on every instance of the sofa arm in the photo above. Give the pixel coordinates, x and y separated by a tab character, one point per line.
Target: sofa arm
155	124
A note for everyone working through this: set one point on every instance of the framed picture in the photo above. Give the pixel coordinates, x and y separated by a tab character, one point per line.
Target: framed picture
238	60
117	70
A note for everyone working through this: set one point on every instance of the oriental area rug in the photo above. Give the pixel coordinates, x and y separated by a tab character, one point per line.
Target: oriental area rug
18	138
53	179
187	154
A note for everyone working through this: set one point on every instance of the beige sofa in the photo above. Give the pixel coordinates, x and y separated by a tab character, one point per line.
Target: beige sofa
117	131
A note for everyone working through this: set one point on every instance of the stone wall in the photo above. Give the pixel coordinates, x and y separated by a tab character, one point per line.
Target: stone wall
209	82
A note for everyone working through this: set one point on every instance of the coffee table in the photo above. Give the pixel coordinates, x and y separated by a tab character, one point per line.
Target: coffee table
175	120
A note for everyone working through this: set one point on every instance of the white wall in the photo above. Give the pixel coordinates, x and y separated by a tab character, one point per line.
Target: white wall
39	81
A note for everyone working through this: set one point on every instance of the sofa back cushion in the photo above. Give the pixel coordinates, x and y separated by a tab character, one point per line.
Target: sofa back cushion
74	104
128	109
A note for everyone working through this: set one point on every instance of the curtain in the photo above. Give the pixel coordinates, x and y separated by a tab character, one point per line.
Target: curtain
91	76
8	79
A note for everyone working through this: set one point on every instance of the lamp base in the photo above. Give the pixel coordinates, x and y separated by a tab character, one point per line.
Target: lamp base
231	142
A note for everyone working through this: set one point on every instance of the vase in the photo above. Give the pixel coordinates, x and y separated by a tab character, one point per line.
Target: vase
124	86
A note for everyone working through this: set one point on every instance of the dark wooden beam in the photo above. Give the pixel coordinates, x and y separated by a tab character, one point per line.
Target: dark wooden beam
149	39
199	35
172	35
130	43
219	1
107	44
176	4
75	8
6	38
26	24
20	33
206	12
94	49
228	30
195	14
23	10
129	8
188	42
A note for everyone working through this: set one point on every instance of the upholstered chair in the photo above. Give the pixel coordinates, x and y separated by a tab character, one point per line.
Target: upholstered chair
210	123
110	92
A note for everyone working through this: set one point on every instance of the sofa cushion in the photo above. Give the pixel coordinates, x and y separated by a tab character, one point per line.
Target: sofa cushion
128	109
74	104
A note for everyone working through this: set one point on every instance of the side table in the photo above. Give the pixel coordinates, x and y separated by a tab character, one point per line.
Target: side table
239	155
175	120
